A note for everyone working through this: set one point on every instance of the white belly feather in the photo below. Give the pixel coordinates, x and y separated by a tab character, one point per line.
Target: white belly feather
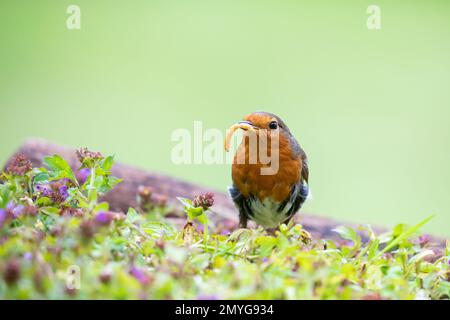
266	212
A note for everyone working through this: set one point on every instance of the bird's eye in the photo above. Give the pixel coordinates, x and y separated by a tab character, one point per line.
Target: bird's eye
273	125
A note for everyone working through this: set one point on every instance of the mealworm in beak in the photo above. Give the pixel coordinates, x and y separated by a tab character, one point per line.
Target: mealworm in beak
232	130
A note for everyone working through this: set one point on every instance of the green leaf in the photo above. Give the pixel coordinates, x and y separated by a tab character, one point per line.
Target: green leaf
421	255
187	203
60	168
103	206
409	232
93	190
157	229
373	248
398	229
444	289
203	219
111	182
106	184
132	216
266	245
194	212
82	203
346	233
107	163
119	244
447	247
41	177
43	201
51	211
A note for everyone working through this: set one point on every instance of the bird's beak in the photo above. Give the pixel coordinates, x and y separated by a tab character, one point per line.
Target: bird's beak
244	125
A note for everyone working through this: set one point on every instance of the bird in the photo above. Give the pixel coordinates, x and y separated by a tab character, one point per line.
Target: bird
268	199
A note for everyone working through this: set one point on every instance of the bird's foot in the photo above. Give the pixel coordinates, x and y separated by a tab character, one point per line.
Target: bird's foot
272	231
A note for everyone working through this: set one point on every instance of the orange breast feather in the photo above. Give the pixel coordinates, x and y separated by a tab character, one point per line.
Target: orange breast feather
249	180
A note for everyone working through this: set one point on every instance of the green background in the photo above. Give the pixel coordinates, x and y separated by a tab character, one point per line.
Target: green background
371	108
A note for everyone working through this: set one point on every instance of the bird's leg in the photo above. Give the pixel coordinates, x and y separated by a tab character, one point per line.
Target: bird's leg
242	221
272	231
290	222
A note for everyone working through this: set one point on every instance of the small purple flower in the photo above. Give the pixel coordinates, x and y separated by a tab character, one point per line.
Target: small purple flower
3	216
44	189
17	211
28	256
199	228
19	166
84	154
57	191
10	206
82	175
65	181
265	259
104	218
13	211
424	240
204	200
31	210
140	275
63	192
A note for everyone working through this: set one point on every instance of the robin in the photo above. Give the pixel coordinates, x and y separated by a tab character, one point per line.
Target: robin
268	198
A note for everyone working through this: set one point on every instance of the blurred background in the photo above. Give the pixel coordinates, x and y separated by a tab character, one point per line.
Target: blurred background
371	108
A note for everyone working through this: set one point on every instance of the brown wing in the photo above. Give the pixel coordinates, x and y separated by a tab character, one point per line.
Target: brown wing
305	168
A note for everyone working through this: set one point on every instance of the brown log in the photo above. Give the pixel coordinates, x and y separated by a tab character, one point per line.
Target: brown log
124	195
